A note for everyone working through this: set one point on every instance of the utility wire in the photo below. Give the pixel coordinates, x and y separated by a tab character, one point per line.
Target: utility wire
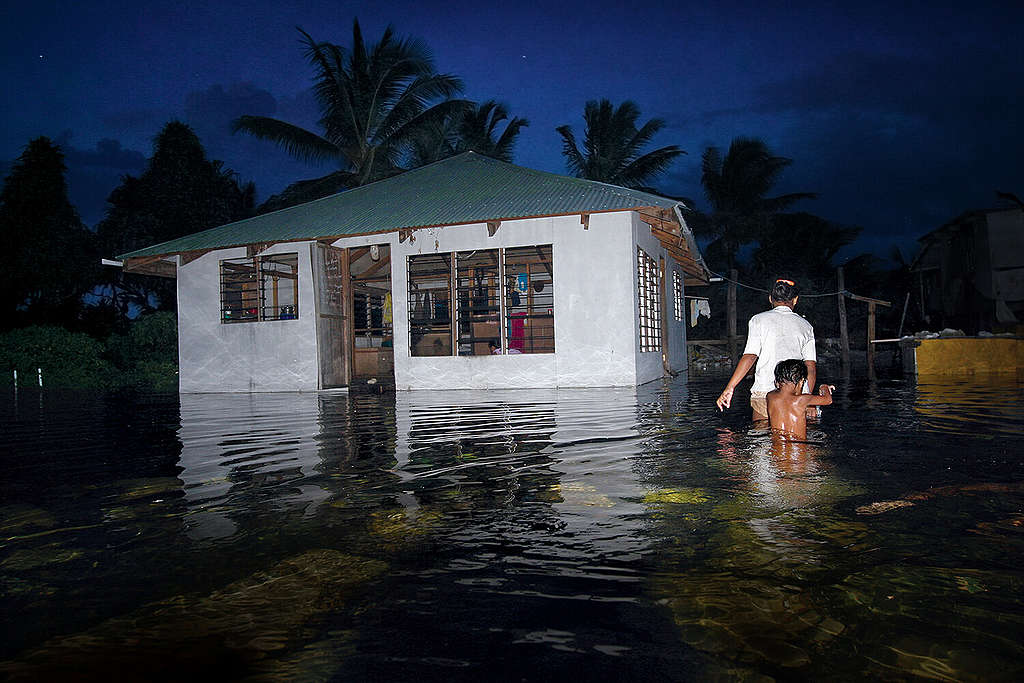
844	292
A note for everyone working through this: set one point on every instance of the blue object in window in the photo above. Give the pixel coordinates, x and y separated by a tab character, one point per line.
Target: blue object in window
522	283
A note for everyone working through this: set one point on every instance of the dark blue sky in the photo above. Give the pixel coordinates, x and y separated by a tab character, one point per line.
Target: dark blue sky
901	118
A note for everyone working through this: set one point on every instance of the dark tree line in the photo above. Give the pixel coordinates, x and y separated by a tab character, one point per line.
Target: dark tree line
53	274
52	259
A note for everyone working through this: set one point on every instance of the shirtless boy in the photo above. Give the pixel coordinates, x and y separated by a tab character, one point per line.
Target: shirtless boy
787	406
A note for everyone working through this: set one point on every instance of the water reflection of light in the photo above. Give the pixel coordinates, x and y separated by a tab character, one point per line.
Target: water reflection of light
578	444
238	448
957	404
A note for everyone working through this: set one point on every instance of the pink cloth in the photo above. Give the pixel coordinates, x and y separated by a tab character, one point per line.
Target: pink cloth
517	333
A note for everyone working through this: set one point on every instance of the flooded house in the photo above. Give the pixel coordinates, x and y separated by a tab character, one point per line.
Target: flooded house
469	273
970	272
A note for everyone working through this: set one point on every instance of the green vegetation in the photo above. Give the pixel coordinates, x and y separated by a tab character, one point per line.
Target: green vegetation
145	356
472	129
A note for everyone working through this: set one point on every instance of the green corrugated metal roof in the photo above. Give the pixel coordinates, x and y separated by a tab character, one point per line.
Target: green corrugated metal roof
468	188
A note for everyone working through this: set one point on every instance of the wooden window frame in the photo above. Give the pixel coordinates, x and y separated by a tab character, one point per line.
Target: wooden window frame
649	302
677	295
481	310
478	301
529	326
251	291
430	334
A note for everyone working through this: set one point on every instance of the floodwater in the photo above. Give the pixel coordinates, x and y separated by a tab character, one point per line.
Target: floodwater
612	534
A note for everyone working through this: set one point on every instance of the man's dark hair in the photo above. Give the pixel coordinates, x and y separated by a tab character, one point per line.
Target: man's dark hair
784	290
790	371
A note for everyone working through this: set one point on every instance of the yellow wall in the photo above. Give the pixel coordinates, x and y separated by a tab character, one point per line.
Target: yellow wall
969	354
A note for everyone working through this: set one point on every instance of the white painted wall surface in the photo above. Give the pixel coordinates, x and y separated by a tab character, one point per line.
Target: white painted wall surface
593	302
595	308
276	355
649	364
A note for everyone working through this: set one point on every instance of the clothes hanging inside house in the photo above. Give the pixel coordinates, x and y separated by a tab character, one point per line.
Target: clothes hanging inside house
517	332
699	307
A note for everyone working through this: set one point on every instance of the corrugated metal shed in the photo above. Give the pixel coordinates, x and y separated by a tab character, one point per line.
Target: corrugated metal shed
468	188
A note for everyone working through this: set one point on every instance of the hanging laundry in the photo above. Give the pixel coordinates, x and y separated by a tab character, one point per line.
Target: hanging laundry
704	308
699	307
388	313
517	333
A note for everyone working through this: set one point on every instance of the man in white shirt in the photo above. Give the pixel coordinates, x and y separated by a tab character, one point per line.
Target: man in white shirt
773	336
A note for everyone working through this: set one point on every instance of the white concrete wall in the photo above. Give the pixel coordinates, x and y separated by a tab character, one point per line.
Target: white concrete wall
276	355
593	306
649	365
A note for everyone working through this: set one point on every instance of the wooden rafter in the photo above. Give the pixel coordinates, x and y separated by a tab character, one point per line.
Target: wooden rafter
492	227
151	265
257	248
356	253
386	261
190	256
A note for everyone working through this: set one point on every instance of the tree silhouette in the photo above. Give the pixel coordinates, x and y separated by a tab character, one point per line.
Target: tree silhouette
473	129
613	146
374	101
478	130
180	192
51	256
736	187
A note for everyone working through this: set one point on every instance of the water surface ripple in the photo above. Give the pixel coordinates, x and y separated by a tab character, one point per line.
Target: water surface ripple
626	534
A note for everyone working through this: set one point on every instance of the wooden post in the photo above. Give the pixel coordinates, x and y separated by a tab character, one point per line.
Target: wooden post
730	312
906	301
871	338
844	333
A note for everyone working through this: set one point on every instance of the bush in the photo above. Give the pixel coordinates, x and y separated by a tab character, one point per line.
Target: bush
67	359
145	357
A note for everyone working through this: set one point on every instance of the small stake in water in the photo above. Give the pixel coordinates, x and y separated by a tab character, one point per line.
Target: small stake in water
15	380
40	371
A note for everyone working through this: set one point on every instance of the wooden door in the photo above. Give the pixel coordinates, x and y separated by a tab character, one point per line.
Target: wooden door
330	275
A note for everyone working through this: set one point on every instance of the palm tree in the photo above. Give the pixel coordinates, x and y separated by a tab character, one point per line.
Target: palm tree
613	144
736	187
478	130
475	128
374	100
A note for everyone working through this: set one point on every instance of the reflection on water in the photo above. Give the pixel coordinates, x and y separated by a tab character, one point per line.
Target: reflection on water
613	533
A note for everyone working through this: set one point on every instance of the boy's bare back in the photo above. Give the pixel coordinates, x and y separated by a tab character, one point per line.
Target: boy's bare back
787	408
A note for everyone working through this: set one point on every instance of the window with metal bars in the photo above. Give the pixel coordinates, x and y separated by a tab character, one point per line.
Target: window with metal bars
649	300
529	300
259	288
478	295
489	317
430	295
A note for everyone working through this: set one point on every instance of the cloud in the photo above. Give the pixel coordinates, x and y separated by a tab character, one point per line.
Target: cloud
140	123
897	144
93	173
108	154
211	111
